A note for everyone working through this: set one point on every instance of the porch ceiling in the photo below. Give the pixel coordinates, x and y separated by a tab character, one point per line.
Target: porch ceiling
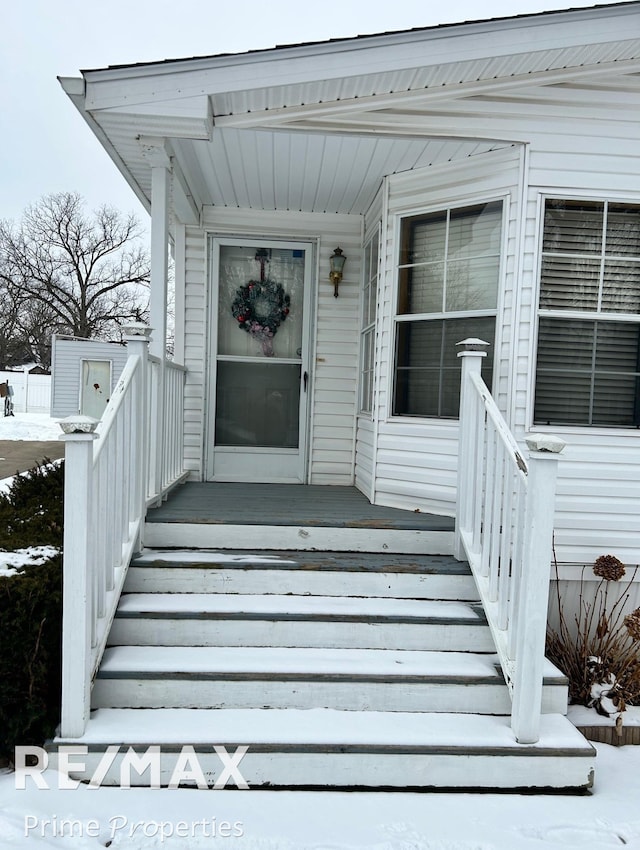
316	127
310	172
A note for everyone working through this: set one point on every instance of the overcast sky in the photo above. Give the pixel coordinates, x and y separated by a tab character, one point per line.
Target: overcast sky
47	146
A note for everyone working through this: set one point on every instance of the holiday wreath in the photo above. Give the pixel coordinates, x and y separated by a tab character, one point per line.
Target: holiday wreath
260	307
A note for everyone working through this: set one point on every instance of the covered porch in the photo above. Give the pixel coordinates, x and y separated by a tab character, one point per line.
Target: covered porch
222	515
255	169
217	503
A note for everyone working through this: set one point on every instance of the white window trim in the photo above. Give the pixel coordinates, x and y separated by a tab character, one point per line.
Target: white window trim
543	195
394	318
371	328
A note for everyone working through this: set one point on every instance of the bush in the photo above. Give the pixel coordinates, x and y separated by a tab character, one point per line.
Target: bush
31	611
600	651
30	661
32	511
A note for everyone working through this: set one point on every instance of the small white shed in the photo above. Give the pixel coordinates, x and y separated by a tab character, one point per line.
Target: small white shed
84	373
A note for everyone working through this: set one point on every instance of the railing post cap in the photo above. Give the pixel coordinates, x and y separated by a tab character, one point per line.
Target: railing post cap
78	424
136	330
473	345
546	443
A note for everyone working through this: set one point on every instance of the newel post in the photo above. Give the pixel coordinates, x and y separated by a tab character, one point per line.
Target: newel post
137	336
533	593
77	604
471	353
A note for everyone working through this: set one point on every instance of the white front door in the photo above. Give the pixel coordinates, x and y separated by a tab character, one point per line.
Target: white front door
257	427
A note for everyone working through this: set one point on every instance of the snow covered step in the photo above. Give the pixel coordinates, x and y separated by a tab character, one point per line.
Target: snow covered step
350	679
191	619
326	748
301	573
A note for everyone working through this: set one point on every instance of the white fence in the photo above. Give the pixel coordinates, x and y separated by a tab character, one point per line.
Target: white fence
504	527
31	393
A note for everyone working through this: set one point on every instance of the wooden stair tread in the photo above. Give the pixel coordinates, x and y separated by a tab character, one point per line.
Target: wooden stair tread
301	560
322	727
288	605
303	661
296	660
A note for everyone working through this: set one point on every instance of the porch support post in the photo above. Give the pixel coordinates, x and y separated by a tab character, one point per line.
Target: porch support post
471	353
533	592
155	153
78	602
179	262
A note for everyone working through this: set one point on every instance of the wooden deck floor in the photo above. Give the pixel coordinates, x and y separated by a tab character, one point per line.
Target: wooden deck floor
287	504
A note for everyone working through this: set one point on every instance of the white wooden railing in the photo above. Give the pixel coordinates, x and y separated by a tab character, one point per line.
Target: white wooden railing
504	528
165	394
113	470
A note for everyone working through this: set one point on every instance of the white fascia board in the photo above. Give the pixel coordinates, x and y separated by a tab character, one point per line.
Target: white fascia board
185	118
133	85
74	87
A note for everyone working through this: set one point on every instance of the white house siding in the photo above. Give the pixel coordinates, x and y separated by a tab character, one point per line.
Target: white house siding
365	425
575	152
335	328
581	142
66	369
598	503
416	459
365	454
195	324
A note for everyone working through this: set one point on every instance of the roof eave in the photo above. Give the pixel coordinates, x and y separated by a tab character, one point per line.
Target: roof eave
361	42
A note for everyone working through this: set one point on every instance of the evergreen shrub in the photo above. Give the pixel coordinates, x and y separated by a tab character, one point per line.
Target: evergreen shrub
31	514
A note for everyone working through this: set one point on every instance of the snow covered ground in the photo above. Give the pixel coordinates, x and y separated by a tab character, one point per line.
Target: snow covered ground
139	819
29	426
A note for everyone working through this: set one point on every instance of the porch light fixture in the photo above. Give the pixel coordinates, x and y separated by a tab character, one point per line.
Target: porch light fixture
337	261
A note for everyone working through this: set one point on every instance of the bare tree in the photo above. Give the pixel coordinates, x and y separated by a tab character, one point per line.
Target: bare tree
79	274
11	346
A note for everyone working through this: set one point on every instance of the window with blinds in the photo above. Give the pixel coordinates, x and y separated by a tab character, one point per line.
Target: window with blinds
448	280
588	363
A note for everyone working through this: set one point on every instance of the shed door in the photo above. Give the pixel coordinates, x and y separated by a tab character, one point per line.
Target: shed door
258	427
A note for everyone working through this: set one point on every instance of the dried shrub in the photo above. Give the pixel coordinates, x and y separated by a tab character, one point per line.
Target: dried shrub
609	568
601	654
632	624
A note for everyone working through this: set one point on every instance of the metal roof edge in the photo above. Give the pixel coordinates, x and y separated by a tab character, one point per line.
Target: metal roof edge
358	42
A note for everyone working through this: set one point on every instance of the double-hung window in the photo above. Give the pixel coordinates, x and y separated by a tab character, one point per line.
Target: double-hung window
368	326
588	364
448	282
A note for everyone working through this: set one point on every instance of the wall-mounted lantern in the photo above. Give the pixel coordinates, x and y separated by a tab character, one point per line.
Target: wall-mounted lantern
337	261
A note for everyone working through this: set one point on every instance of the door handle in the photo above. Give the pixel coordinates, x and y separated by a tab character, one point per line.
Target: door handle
305	380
